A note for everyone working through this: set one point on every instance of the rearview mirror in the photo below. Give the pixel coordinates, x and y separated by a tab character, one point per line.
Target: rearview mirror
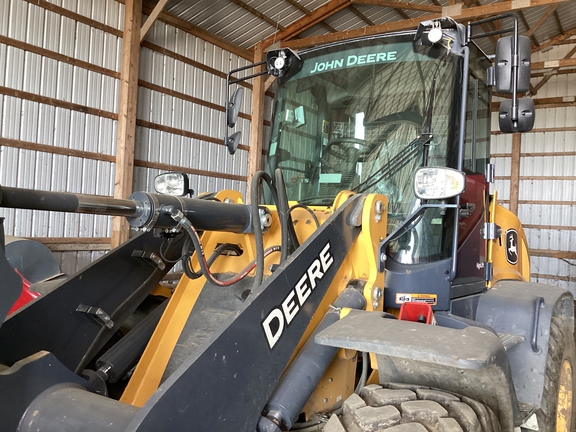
525	121
232	142
233	107
504	63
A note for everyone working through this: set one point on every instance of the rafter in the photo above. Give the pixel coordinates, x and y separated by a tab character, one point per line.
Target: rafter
558	23
486	27
401	5
360	15
556	40
309	12
556	64
462	14
257	13
525	22
558	72
553	64
543	18
305	23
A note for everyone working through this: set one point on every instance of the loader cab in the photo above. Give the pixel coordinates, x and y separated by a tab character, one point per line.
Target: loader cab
363	116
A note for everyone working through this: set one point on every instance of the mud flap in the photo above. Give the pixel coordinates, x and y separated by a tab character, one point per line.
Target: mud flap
471	362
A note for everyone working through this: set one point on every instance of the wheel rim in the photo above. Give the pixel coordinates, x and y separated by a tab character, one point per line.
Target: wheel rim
564	411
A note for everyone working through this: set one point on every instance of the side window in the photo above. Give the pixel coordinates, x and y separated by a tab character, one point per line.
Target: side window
477	121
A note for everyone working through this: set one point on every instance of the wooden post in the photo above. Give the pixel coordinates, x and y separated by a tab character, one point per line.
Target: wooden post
127	114
515	172
256	126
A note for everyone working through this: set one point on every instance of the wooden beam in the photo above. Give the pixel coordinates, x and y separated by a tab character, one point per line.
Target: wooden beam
76	17
550	227
553	254
554	64
543	18
317	16
309	12
558	72
515	172
400	5
488	27
403	14
360	15
525	22
257	13
152	18
256	126
463	14
67	244
127	115
558	23
57	56
546	78
551	102
556	40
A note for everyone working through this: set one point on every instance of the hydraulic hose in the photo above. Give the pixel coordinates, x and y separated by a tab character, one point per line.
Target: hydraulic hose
256	228
178	216
289	238
186	255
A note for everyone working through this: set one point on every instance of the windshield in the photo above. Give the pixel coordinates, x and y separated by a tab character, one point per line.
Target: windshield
352	118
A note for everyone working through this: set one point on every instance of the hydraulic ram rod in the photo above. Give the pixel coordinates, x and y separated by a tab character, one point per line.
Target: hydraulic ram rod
143	210
65	202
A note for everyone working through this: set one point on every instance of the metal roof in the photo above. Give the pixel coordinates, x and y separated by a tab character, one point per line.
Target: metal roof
246	22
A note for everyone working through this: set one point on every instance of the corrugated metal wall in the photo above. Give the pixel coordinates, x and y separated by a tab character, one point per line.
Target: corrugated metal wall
547	192
59	83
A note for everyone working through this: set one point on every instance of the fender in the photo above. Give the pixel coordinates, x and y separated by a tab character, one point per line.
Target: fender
526	309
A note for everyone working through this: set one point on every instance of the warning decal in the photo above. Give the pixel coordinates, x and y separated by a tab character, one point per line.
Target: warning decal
431	299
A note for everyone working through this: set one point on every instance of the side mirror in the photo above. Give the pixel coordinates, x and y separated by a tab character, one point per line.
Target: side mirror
504	71
232	142
232	111
233	107
525	121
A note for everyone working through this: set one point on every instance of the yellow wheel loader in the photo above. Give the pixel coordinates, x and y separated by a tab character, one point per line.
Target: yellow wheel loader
372	283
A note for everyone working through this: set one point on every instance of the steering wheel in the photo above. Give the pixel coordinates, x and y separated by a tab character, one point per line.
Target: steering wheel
347	148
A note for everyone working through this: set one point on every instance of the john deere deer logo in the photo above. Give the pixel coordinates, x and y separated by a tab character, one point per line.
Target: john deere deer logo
512	246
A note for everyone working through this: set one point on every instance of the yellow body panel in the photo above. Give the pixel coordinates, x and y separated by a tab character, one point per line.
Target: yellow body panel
497	249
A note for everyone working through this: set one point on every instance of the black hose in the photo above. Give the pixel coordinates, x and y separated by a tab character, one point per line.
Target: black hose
179	217
256	227
289	238
219	250
309	210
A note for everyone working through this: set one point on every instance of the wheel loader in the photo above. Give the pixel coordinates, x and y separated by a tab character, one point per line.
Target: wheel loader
372	283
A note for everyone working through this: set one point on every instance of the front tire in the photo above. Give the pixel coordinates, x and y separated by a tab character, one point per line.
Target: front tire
557	413
404	408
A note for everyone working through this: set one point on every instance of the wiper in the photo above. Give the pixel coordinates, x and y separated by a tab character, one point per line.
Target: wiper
403	157
428	123
392	167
